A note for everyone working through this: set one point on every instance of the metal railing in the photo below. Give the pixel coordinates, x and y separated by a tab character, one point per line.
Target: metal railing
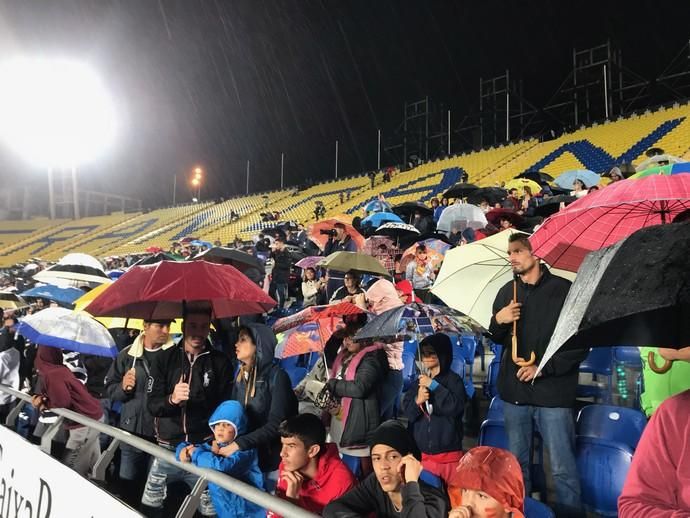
257	496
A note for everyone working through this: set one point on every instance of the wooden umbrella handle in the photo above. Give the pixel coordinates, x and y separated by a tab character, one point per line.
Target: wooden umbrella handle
652	364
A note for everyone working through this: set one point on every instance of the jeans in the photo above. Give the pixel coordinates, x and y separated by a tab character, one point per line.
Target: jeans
279	291
160	475
390	394
82	449
557	429
134	463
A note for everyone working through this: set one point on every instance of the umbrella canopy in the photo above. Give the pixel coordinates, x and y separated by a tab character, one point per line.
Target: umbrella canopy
54	293
636	292
372	245
82	303
494	216
377	206
436	250
589	178
679	168
406	210
461	213
309	262
493	195
199	243
155	258
75	270
553	204
162	290
396	230
521	183
536	176
417	320
656	160
316	313
608	215
153	250
379	218
237	258
471	276
64	329
315	231
346	261
460	190
11	301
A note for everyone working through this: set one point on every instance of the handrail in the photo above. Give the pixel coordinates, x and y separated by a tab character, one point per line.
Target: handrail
257	496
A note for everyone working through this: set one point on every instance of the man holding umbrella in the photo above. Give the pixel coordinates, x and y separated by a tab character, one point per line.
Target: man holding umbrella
548	399
189	381
128	381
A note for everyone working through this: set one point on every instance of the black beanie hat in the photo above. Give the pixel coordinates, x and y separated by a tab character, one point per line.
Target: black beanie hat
394	434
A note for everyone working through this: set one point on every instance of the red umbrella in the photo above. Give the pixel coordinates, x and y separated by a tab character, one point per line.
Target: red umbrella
494	216
315	313
154	249
608	215
162	290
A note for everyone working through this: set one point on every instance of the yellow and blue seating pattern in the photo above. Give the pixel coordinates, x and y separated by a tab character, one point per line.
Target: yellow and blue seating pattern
596	147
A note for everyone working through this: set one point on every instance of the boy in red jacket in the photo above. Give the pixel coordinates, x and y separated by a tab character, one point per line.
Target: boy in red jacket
311	472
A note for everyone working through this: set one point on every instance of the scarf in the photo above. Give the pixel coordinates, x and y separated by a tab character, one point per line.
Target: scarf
350	371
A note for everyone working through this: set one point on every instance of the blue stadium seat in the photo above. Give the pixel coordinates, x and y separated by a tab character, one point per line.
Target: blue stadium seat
493	433
410	346
296	375
535	509
613	423
353	463
458	367
628	356
490	390
602	466
495	409
431	479
409	369
599	362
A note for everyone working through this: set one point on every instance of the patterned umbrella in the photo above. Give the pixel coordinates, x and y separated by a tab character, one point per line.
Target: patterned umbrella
681	167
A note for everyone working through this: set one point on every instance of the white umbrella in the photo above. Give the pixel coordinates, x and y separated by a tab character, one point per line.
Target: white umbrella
461	213
75	270
472	274
69	330
654	161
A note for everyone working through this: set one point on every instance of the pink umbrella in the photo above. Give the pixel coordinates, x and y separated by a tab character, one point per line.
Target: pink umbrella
309	261
608	215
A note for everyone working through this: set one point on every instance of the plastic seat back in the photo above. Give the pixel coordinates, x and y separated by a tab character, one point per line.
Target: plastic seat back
613	423
493	433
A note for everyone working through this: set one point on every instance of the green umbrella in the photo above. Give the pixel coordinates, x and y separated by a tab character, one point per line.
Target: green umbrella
677	168
346	261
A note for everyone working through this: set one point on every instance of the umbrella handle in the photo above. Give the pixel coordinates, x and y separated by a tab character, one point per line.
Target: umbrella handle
526	363
659	370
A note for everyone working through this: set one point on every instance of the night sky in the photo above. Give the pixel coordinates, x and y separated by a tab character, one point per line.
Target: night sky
215	83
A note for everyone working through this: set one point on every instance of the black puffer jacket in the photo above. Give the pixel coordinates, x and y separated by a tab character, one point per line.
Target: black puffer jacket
364	416
441	431
210	379
272	403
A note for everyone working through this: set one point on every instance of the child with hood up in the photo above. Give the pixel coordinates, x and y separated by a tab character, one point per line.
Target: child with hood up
228	422
434	406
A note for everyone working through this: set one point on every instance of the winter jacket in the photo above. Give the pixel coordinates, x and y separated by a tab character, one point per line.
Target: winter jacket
210	378
346	245
438	428
658	483
281	266
541	307
9	372
333	479
273	400
242	465
360	392
61	388
419	500
135	416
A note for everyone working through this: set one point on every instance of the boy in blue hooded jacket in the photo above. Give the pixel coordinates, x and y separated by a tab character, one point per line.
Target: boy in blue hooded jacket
228	422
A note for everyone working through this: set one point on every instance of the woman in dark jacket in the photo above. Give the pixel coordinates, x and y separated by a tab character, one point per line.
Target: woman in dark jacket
434	407
264	390
356	378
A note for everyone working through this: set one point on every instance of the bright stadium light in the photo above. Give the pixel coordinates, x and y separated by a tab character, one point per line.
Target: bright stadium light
54	112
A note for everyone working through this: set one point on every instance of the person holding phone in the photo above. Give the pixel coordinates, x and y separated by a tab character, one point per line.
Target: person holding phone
395	488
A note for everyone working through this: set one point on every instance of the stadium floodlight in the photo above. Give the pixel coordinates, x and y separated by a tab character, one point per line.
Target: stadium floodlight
55	112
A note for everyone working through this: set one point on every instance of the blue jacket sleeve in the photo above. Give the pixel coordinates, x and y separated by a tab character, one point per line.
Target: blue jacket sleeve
179	449
236	464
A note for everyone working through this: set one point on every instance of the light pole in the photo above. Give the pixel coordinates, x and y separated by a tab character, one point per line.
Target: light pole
196	181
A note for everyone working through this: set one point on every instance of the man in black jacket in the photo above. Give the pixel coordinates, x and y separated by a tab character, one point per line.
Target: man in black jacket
548	399
189	381
127	382
282	261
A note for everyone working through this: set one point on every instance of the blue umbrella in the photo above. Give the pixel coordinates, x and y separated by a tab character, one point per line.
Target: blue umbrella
377	206
379	218
54	293
200	243
589	178
69	330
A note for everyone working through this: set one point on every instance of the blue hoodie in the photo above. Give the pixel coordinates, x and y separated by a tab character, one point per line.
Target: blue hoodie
242	465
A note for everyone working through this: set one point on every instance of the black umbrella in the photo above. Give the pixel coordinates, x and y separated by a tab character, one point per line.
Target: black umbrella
406	210
636	292
553	204
536	176
460	190
397	230
491	194
155	258
237	258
